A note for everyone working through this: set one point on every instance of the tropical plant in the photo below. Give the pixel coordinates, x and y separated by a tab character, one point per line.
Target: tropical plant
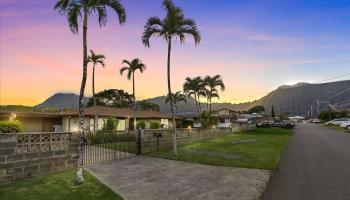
95	59
176	98
155	125
141	125
273	112
174	26
145	105
132	66
206	119
111	124
195	86
112	98
256	109
11	126
82	9
211	83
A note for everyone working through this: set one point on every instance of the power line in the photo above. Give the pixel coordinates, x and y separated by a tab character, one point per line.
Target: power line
334	77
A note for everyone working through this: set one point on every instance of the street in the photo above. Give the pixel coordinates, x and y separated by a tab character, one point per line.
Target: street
314	166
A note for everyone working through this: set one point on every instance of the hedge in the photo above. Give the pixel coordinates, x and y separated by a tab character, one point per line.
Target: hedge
14	126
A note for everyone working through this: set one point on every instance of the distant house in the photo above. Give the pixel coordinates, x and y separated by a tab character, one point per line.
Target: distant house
69	121
225	115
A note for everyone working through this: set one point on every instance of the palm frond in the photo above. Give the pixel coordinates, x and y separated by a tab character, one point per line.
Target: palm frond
119	9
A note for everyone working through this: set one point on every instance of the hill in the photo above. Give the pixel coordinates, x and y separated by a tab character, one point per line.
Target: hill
293	99
62	101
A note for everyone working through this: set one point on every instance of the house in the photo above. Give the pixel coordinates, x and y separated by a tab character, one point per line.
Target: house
224	115
69	120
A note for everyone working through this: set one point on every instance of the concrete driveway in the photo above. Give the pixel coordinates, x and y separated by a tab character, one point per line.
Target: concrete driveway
315	165
150	178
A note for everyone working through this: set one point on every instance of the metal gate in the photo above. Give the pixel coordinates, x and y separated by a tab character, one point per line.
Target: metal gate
104	146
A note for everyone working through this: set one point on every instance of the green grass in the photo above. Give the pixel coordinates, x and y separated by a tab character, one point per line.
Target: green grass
262	154
129	147
57	186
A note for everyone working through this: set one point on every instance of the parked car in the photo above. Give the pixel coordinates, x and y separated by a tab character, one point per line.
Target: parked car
315	121
264	124
345	125
224	125
337	122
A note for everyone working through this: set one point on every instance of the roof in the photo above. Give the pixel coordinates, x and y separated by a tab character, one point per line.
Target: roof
99	110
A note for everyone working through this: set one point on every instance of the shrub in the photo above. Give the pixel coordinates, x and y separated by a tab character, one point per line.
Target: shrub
155	125
14	126
110	124
104	137
141	124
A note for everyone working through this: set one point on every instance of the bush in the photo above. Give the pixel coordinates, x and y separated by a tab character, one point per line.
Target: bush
14	126
104	137
141	124
154	125
110	124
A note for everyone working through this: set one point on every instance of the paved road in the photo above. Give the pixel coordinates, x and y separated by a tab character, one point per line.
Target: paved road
314	166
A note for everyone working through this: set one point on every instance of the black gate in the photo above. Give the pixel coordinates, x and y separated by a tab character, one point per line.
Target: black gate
104	146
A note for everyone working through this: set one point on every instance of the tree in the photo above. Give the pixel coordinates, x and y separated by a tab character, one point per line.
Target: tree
195	86
256	109
273	112
95	59
174	26
211	84
135	64
75	10
111	124
206	119
113	98
176	98
144	105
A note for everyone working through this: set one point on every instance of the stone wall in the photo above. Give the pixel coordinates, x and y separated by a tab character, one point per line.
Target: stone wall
32	154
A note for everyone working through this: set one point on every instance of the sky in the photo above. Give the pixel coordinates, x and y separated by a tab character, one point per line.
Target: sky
256	45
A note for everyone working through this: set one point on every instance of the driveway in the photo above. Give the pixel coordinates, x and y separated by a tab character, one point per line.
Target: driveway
149	178
315	165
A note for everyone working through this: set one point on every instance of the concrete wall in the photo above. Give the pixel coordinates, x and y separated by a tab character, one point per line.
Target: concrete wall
19	159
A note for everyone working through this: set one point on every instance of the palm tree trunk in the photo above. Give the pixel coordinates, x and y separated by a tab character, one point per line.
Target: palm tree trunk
93	98
171	102
80	179
199	105
195	97
133	103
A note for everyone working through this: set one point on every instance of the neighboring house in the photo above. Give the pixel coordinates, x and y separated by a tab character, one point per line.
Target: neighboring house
190	119
69	121
224	115
253	118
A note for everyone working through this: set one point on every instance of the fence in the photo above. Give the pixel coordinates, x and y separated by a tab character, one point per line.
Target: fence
149	142
30	154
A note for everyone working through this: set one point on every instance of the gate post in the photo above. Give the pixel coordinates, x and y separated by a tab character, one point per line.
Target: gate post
138	142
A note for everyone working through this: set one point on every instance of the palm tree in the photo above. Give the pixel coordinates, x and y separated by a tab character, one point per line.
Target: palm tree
135	64
174	26
176	98
195	86
95	59
211	83
75	10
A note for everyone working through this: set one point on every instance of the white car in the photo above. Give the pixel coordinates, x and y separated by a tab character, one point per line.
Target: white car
224	125
338	122
345	125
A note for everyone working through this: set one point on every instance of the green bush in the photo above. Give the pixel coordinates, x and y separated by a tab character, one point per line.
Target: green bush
110	124
104	137
155	125
141	124
14	126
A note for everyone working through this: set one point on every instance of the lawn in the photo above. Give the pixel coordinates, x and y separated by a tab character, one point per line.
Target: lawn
259	148
56	186
129	147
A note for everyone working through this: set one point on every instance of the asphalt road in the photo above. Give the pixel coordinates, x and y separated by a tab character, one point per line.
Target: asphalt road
314	166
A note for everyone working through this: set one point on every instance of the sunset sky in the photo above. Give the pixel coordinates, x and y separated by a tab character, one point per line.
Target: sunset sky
255	45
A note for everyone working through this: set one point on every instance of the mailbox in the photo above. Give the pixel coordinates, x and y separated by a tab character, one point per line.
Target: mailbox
157	135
